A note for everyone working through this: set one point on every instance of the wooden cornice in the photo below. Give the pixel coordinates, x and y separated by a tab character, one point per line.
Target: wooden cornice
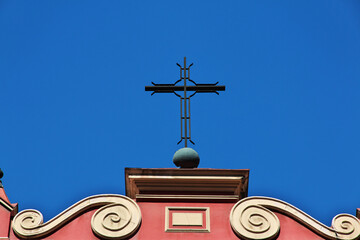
197	184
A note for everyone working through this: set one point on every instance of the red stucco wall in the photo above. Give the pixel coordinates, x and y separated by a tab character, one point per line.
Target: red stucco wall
153	225
4	222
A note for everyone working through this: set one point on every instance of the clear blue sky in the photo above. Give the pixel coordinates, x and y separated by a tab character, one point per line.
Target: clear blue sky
74	112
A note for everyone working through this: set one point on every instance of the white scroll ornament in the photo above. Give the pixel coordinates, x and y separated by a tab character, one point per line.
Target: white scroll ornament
251	218
118	218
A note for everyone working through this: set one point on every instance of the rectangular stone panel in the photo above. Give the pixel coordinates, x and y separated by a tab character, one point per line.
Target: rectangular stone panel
187	219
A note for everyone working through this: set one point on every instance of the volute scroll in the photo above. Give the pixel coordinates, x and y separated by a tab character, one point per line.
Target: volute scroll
117	218
252	219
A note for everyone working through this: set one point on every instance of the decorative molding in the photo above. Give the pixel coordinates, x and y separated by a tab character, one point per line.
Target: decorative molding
252	219
118	217
186	185
186	219
141	197
186	177
116	221
181	182
6	205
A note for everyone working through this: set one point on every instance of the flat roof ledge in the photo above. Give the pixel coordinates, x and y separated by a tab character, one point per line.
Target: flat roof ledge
149	184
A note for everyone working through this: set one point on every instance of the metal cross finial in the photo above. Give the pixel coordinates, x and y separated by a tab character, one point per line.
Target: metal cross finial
185	99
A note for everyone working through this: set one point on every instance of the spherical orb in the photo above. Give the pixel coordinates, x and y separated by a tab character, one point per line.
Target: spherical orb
186	158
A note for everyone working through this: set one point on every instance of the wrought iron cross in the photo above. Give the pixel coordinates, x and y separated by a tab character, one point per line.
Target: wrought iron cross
185	99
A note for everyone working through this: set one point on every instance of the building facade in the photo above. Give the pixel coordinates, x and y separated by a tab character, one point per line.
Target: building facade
176	204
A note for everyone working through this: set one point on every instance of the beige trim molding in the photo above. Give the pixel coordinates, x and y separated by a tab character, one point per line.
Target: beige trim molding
185	177
185	184
118	218
140	197
141	182
252	219
6	205
206	211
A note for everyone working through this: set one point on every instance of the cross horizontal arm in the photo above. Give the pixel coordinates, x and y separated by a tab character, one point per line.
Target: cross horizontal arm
172	88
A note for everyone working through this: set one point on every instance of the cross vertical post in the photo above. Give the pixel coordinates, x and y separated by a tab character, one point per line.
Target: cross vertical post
185	98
